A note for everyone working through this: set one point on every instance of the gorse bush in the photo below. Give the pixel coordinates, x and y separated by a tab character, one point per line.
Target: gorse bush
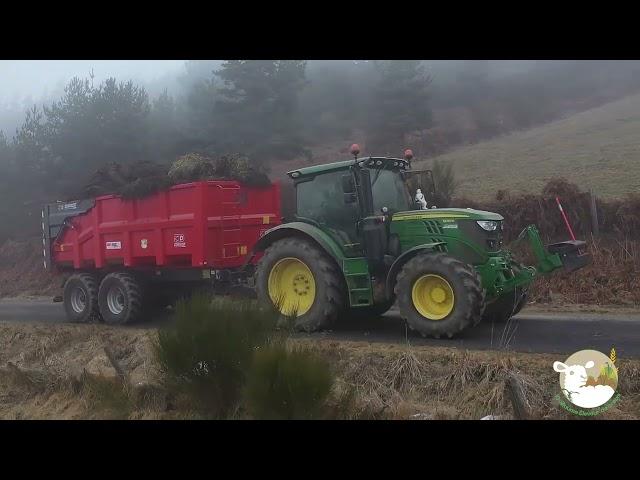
445	183
209	350
227	354
287	384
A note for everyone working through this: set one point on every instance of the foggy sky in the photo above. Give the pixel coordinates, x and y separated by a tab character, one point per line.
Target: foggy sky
41	78
24	83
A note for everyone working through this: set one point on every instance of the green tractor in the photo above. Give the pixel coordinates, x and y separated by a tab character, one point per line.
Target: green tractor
361	241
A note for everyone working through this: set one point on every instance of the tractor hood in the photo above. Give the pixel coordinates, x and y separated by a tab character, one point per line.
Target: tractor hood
454	213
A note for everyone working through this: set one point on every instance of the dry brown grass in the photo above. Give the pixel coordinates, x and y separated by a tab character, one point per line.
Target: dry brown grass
613	277
61	372
403	382
597	148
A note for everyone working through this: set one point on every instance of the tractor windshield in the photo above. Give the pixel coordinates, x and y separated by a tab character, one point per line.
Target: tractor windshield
389	190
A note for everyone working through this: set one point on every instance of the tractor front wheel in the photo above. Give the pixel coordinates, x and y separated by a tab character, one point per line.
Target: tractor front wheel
505	307
439	295
300	280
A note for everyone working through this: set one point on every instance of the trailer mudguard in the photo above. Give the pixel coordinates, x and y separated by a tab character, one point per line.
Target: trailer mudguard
404	258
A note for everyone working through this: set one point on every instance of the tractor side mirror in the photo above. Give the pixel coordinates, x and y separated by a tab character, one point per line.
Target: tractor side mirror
348	189
350	198
348	186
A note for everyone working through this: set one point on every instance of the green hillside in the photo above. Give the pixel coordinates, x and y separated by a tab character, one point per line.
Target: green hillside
597	148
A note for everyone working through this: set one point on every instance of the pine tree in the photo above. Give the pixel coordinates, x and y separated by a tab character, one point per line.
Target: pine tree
257	104
400	104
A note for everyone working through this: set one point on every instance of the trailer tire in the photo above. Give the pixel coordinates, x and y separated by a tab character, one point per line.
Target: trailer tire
308	267
439	295
121	299
80	298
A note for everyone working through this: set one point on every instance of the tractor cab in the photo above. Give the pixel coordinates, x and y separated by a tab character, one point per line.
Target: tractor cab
354	201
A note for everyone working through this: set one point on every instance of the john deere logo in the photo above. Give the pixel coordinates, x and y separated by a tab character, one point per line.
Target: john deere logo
588	380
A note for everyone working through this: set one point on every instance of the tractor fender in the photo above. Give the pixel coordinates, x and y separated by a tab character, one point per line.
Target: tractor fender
404	258
301	230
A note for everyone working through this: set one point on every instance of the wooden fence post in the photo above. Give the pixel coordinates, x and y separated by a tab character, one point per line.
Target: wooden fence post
595	228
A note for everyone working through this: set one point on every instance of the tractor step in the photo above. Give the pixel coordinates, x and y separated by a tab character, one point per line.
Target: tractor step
359	286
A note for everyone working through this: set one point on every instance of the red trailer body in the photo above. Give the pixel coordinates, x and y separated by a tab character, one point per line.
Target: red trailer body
210	224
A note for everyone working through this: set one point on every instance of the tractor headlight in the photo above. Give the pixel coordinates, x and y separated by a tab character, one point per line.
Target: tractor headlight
488	225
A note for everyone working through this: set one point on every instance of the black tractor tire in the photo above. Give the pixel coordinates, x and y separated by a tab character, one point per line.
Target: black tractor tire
469	296
330	291
121	299
508	304
80	298
505	306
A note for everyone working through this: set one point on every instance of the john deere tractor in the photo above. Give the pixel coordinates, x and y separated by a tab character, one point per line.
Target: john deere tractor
363	239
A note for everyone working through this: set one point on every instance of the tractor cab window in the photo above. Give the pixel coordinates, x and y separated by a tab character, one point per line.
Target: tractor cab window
389	190
422	180
322	200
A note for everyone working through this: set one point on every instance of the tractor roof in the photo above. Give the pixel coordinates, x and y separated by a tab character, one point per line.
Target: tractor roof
389	163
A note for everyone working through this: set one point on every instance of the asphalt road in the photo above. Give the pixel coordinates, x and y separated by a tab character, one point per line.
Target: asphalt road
527	332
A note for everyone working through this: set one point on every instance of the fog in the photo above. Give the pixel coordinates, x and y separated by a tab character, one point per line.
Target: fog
62	120
24	83
27	82
42	78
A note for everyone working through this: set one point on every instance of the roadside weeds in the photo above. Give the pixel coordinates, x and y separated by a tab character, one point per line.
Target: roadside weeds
63	372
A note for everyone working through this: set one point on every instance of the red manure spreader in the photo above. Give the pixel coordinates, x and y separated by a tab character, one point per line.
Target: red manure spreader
124	257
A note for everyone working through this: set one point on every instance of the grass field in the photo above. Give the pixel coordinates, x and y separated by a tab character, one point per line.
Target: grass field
597	148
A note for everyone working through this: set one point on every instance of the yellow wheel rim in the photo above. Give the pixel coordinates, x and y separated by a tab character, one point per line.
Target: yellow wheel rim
433	297
292	287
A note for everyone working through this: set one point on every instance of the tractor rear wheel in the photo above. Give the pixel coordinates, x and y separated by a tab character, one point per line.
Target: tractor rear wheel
505	307
81	298
121	299
439	295
300	280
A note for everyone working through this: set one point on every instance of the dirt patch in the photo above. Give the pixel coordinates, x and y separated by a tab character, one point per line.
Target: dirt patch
63	372
22	271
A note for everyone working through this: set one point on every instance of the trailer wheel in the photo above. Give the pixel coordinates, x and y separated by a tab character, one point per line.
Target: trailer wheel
81	298
298	278
120	299
439	295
